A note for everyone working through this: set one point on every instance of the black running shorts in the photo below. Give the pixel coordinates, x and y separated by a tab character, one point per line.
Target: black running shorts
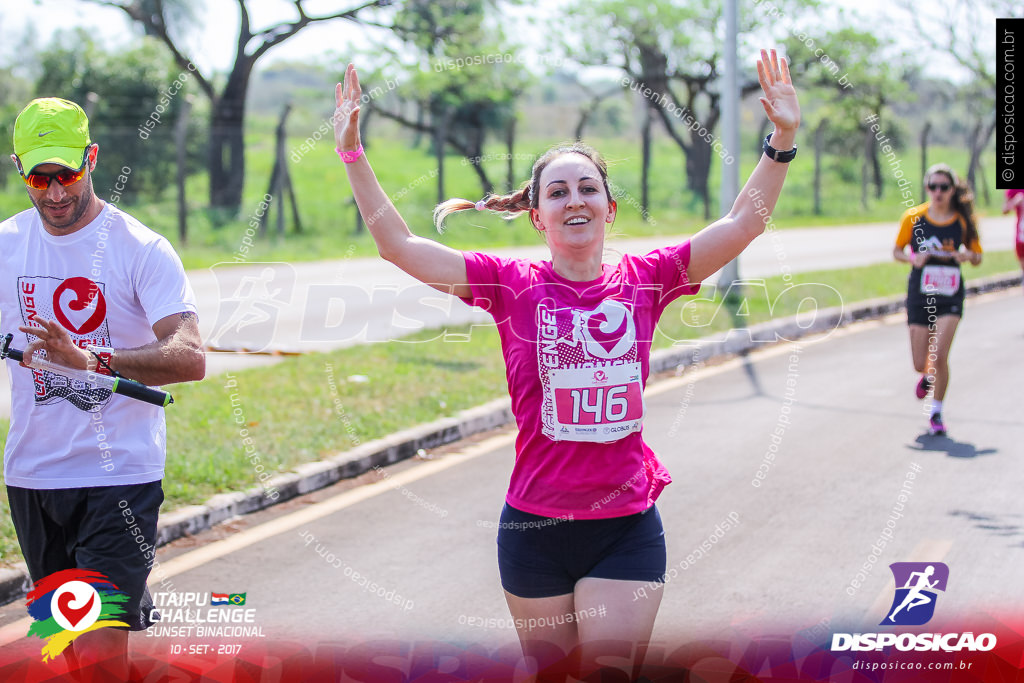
104	528
925	308
540	557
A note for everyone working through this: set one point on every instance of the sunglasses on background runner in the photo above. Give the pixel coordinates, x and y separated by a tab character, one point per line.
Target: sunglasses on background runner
66	177
941	187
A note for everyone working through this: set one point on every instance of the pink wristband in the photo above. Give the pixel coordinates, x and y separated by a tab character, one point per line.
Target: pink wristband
349	157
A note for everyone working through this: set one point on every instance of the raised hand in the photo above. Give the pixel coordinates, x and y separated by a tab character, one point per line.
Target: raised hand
779	101
346	117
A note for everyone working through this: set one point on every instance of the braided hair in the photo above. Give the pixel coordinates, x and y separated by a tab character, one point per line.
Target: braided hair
528	195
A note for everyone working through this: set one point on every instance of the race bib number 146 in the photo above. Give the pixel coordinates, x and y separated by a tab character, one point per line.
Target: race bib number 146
597	404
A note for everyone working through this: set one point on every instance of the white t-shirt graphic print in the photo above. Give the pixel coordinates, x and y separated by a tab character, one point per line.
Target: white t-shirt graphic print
107	284
79	305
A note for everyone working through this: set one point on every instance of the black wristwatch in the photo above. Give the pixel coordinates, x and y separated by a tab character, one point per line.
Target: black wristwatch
777	155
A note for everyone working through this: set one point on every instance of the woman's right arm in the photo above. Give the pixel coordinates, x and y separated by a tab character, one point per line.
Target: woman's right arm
430	262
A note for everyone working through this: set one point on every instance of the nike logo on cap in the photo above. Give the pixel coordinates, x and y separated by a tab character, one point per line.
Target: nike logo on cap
46	133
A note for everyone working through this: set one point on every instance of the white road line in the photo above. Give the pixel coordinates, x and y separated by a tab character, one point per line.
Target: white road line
293	520
212	551
929	550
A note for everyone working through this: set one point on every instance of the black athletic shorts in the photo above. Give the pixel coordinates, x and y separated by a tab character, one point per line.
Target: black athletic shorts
924	308
540	557
92	528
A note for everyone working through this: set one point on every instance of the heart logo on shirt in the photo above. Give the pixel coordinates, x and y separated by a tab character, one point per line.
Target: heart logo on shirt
79	305
596	326
608	331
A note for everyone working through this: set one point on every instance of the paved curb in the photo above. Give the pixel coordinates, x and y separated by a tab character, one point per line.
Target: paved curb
405	444
14	583
790	329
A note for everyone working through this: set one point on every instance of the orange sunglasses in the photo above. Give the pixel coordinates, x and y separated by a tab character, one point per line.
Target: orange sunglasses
66	176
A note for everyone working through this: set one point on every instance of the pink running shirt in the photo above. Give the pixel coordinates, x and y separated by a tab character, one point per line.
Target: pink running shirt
576	360
1020	216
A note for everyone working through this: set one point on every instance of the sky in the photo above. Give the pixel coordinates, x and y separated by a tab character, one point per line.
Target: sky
212	47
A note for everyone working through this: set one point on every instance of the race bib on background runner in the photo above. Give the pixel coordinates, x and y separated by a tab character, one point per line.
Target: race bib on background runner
941	280
590	372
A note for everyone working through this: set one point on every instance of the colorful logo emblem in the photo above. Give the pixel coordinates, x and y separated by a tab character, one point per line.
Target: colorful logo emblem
68	603
237	599
916	586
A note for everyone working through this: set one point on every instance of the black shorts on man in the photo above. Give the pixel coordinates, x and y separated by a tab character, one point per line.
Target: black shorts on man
88	528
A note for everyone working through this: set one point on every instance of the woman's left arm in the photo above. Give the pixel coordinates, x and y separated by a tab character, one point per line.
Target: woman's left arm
723	240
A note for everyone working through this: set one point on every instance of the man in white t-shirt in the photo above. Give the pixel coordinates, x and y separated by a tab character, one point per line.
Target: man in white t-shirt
95	289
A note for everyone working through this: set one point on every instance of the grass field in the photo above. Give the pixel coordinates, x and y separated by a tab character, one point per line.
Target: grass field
328	213
320	406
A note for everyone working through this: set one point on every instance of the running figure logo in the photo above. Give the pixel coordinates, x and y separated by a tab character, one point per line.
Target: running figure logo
916	586
251	305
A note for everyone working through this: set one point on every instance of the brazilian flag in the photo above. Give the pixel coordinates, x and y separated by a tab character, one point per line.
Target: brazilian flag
236	598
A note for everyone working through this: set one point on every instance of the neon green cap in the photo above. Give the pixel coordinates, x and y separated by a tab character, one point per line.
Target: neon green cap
51	131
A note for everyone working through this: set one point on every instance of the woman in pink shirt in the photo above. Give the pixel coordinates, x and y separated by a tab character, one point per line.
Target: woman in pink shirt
579	534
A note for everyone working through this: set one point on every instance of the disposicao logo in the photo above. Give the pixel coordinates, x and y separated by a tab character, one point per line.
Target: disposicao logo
917	584
68	603
914	603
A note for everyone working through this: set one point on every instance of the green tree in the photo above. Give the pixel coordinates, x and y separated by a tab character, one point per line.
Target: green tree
15	93
670	53
962	30
17	72
226	161
458	69
857	83
136	100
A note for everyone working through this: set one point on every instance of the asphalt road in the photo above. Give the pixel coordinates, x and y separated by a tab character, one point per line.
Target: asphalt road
850	433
